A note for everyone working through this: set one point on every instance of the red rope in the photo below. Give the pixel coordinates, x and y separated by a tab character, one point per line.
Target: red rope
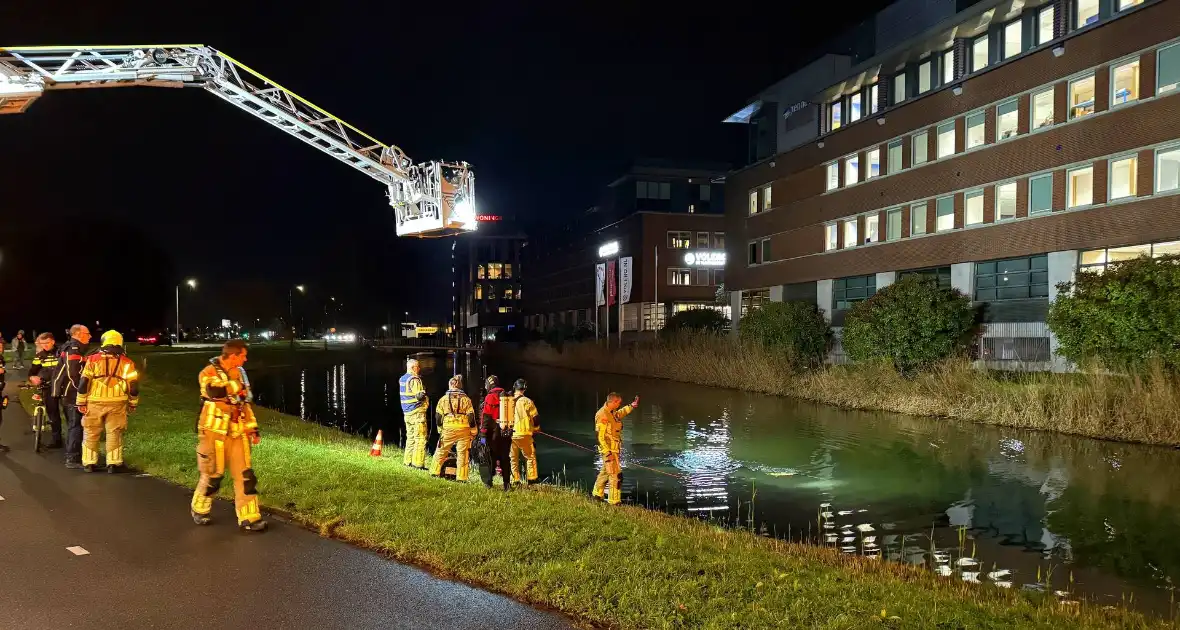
589	450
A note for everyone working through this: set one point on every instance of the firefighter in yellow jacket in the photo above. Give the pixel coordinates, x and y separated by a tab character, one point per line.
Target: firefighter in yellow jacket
107	391
525	423
609	424
227	429
456	421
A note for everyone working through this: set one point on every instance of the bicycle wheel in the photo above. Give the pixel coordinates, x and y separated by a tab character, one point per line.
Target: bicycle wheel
39	418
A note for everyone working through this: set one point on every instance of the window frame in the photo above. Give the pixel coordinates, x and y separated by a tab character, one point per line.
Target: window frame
764	248
754	205
1090	76
874	94
924	207
928	74
676	272
1032	108
753	251
835	115
857	99
943	59
997	217
1122	63
1052	11
996	273
1069	186
1019	24
876	151
890	168
1012	101
836	286
876	217
898	95
766	198
1159	57
848	161
855	240
982	114
831	237
985	39
1119	8
1134	181
967	197
1155	187
1077	14
938	208
938	131
925	144
1048	210
828	183
889	214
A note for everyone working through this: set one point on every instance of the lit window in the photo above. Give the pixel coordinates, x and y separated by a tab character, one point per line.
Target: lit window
854	107
1007	119
507	271
1042	108
679	240
834	116
948	67
944	214
924	78
1045	25
874	157
893	225
1167	169
1123	173
691	208
974	125
1013	39
973	207
851	169
495	271
946	139
898	88
1167	69
766	198
894	164
480	273
921	146
505	309
1040	194
833	176
479	291
679	277
872	229
1127	4
1087	13
917	219
979	53
508	293
753	202
831	237
1006	201
1124	83
850	233
874	98
1081	97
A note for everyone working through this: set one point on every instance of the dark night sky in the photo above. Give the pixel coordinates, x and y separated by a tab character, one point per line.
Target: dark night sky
110	197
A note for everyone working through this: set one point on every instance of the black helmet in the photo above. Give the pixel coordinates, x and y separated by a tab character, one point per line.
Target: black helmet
520	385
492	382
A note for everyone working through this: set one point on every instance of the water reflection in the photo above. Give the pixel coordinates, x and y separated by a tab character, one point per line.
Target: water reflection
973	503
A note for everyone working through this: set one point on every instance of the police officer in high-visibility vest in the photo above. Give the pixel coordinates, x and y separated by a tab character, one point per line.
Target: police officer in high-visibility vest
456	420
414	406
107	391
44	374
227	429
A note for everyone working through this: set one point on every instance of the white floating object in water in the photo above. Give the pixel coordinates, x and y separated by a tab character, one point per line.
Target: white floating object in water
943	570
782	474
870	540
829	526
941	557
849	539
825	505
1004	584
865	527
831	538
848	549
967	562
844	512
1061	593
971	576
870	545
826	514
1002	573
861	511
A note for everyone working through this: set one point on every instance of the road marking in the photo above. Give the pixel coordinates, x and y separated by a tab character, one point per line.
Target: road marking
78	551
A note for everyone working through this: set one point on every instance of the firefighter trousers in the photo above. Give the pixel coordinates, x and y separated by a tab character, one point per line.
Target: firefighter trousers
460	438
607	483
415	453
99	415
523	444
214	451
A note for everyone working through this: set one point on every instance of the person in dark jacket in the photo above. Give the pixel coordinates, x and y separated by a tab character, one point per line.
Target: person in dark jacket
3	449
69	374
43	374
495	441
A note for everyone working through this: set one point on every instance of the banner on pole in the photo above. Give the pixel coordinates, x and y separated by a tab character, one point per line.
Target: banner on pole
625	281
599	284
612	284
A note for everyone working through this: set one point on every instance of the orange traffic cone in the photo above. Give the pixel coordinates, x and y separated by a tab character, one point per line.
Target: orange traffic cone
377	444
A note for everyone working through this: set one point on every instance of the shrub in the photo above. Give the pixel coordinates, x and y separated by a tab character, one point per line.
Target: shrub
699	319
1122	318
796	328
912	323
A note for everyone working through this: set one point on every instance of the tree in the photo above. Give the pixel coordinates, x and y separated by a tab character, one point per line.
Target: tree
796	328
697	319
1122	318
913	323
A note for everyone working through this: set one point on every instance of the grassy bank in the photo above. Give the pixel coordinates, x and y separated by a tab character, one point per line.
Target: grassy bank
614	567
1140	408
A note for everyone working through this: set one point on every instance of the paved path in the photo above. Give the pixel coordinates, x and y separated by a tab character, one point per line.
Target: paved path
148	566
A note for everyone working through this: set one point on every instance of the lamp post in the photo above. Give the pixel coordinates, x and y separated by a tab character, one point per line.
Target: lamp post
291	308
192	284
610	253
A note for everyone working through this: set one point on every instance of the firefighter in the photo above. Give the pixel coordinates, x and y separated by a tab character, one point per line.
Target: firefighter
494	439
227	429
524	425
414	407
43	374
609	424
72	360
107	391
456	423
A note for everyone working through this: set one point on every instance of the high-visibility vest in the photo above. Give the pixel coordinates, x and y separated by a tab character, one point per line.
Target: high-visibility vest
410	402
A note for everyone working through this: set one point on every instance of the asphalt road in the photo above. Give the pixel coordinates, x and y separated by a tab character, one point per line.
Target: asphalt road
145	565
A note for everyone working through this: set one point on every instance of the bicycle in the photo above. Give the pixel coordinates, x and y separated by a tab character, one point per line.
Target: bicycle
40	417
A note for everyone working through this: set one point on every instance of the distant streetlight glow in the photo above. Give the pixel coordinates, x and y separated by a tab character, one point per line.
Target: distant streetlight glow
608	249
191	282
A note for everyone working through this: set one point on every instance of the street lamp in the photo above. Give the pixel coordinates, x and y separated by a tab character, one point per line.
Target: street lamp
192	284
291	308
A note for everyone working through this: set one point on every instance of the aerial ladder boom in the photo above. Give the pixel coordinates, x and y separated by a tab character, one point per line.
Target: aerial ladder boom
429	198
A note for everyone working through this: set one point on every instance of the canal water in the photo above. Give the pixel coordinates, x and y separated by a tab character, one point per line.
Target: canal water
1022	509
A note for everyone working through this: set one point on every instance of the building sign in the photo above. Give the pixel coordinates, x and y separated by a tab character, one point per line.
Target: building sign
612	286
225	323
625	280
599	284
705	259
484	218
797	107
608	249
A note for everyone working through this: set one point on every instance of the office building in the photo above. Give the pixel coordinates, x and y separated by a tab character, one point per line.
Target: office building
998	149
488	274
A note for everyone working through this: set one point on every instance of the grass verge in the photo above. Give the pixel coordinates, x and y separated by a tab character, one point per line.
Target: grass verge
611	567
1137	408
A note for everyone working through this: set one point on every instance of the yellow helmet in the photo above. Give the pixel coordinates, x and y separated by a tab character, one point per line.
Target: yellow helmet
112	338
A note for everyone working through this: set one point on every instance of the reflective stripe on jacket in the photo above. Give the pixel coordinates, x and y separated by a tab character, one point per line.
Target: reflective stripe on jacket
413	395
524	416
109	376
609	425
455	411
